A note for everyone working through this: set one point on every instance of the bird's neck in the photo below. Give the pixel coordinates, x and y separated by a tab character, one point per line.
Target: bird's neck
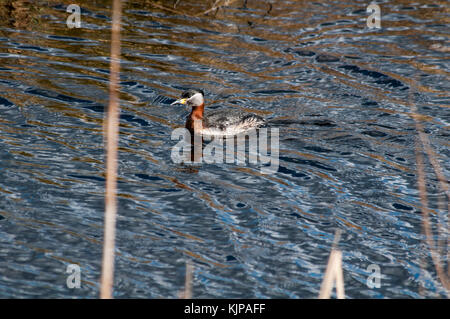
197	112
194	121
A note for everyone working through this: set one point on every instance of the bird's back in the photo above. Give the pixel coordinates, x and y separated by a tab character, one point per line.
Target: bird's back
230	122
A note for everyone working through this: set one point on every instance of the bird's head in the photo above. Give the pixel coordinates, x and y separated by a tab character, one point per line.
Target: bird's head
191	97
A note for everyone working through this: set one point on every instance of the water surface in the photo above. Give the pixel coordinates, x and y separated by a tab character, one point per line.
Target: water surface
339	92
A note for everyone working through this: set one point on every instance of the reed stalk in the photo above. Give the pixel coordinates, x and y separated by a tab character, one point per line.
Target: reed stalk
423	146
112	136
333	273
187	293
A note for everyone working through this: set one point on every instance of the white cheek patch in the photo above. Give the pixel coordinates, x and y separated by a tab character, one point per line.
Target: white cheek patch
196	99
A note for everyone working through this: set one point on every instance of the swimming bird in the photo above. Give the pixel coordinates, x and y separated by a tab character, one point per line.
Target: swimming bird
227	122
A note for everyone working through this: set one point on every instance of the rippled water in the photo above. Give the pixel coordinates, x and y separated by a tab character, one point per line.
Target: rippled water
339	92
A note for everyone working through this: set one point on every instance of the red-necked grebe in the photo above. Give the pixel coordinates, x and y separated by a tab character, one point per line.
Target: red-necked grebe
219	123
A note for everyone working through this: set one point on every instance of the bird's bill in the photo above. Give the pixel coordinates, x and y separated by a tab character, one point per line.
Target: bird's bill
180	101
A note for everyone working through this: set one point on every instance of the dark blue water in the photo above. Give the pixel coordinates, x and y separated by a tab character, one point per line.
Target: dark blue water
339	92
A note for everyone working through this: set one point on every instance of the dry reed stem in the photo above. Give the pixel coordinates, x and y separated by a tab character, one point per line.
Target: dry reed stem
333	273
216	6
188	281
159	6
112	132
442	232
186	293
176	3
425	218
425	146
